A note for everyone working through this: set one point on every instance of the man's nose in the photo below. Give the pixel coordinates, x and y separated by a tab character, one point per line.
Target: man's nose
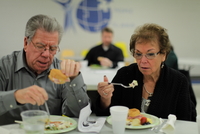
46	53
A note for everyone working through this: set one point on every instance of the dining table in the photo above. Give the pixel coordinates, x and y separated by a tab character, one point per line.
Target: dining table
92	76
181	127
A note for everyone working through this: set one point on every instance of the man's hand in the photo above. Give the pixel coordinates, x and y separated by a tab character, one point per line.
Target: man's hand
105	62
70	68
33	95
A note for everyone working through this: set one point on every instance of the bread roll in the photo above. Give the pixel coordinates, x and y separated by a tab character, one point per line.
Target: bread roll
133	112
57	76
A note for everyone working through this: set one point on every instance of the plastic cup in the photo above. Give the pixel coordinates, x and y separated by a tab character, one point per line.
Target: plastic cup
118	118
34	121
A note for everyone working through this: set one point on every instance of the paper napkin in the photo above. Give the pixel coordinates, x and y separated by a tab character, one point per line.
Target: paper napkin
85	125
169	127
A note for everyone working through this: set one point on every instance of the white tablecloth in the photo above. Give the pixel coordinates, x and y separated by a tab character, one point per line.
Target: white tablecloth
182	127
93	76
192	64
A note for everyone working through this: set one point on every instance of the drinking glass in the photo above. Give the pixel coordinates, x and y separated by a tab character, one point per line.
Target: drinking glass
34	121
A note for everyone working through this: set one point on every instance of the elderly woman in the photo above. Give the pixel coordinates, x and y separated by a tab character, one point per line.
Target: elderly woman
161	90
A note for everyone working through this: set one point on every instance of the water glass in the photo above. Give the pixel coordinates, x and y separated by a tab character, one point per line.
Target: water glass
118	117
34	121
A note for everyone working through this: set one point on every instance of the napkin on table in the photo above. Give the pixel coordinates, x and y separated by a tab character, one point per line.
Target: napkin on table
83	118
169	127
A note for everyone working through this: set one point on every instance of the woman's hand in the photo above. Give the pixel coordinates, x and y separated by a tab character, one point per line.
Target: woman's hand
106	91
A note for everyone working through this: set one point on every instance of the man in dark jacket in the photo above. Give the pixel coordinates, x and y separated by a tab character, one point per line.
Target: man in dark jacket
105	54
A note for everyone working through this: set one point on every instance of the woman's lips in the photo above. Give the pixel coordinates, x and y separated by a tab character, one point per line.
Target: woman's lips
144	67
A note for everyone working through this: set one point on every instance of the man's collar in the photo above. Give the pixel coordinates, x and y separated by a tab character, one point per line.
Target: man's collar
109	47
21	61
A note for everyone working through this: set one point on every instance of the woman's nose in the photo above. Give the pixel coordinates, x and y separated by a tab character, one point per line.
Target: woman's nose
144	58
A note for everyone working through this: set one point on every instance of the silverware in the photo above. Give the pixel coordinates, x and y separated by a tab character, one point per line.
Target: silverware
20	122
88	123
120	84
47	108
156	129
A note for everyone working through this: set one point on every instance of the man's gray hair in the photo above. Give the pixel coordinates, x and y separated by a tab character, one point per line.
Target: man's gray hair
43	22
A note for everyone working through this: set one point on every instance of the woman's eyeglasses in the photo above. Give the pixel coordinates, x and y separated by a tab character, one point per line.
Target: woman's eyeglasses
149	56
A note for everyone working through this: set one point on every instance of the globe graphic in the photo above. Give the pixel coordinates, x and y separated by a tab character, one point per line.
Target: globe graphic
92	15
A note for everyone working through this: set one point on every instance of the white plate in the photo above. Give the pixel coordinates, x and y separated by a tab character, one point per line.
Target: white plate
155	122
61	118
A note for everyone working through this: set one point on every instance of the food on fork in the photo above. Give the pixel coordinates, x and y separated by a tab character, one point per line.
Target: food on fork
57	76
133	83
135	118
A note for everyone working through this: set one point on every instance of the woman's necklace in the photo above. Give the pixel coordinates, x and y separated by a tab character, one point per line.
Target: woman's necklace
150	94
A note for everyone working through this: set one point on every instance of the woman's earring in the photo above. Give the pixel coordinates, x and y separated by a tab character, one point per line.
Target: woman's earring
162	64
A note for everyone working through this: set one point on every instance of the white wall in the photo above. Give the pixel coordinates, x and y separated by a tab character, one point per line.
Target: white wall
180	17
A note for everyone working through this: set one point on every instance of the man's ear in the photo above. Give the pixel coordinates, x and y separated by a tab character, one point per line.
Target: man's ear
25	43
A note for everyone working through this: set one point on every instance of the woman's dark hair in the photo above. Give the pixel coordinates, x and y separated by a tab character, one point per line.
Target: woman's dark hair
151	32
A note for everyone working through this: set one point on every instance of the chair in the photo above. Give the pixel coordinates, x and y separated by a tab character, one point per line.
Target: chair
66	53
123	47
84	52
192	95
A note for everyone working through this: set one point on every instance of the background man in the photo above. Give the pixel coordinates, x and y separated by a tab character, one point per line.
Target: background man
105	54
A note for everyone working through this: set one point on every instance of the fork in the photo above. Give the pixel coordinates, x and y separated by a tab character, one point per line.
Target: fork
47	108
120	84
87	123
156	129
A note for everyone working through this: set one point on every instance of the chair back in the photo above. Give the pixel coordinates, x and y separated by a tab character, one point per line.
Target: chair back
84	52
66	53
123	47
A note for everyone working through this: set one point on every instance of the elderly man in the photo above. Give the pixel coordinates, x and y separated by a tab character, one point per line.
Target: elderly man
105	54
24	82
